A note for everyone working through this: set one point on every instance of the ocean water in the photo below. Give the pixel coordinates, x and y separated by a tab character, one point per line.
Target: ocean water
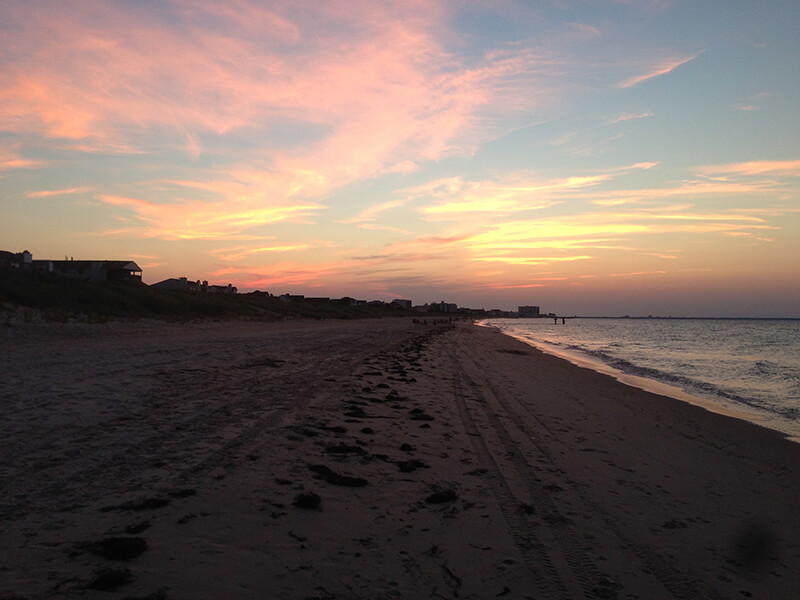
749	366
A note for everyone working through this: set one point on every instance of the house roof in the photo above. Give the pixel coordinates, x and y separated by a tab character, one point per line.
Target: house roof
128	265
121	264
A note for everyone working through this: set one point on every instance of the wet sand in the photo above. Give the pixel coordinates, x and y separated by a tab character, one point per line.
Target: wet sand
370	459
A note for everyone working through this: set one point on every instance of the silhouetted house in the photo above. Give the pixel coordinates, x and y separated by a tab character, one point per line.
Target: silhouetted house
90	270
219	289
14	260
179	283
291	297
348	301
186	285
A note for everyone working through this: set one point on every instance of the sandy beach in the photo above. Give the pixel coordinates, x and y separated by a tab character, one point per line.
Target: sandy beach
370	459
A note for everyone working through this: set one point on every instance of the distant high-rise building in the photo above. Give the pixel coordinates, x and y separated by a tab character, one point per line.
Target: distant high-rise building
528	311
405	304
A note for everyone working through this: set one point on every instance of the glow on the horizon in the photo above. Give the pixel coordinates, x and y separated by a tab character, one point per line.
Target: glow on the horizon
486	154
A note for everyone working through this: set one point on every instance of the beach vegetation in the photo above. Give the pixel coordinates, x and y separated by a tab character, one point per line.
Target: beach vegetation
49	297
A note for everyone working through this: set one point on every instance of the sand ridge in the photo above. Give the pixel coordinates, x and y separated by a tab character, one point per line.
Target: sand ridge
371	459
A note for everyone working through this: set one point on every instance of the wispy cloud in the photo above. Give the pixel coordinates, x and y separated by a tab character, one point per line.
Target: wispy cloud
192	219
751	103
661	67
64	192
12	160
531	260
627	116
385	105
458	197
786	168
372	212
637	273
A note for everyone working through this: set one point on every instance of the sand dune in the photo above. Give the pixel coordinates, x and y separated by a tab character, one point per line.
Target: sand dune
370	459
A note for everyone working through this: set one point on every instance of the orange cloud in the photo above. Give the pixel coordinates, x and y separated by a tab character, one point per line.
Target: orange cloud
207	220
540	282
64	192
539	260
236	254
567	239
637	274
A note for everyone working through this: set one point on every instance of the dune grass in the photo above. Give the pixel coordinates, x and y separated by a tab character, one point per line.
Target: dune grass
62	299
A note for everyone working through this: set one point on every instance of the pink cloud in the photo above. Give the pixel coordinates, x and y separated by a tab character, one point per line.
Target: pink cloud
11	160
789	168
289	275
385	90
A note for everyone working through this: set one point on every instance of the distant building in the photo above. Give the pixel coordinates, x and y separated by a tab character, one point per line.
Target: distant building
179	283
219	289
528	311
12	260
445	307
404	304
348	301
186	285
442	307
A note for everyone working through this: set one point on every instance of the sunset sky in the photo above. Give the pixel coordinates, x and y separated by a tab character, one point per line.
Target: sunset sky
591	157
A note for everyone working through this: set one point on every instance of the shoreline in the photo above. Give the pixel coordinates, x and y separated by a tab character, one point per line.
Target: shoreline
372	459
652	385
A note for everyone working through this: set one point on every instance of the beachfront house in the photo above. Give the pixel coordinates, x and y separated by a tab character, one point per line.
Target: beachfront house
90	270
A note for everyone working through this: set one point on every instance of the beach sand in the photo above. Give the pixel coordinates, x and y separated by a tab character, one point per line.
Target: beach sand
370	459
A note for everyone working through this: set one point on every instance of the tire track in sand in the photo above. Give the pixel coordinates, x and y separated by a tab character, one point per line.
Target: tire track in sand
549	579
674	582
